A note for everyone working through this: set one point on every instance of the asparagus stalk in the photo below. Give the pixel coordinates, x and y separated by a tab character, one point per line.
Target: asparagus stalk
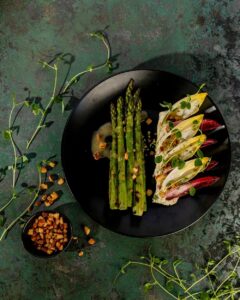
129	144
140	203
122	192
129	91
113	176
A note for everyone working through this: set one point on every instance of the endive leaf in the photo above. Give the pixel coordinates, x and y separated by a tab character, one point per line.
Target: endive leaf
186	149
188	128
188	172
187	106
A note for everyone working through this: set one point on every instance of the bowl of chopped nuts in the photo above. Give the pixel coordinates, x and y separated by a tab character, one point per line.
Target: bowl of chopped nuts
47	233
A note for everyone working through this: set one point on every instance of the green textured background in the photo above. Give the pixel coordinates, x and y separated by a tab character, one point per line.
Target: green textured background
196	39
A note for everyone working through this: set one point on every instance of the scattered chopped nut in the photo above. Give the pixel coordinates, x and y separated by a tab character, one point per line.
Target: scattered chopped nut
51	178
126	156
52	164
135	170
102	145
43	170
149	192
81	253
44	197
54	196
43	186
86	230
134	176
37	203
91	241
148	121
60	181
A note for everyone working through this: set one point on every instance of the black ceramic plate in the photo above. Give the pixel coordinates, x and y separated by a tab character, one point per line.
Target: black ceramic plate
88	178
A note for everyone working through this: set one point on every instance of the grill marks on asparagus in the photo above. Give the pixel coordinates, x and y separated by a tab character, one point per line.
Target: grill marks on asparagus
127	182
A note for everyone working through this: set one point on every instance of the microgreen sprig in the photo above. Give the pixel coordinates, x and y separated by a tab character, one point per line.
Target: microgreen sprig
209	283
24	212
57	96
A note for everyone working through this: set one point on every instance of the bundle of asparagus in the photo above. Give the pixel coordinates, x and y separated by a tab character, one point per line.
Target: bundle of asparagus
127	179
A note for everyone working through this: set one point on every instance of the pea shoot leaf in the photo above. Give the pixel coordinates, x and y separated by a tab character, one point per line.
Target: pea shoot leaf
200	153
198	162
7	134
171	124
158	159
192	191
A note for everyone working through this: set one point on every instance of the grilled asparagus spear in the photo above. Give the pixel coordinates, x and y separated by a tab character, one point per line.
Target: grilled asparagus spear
113	176
140	190
129	140
122	192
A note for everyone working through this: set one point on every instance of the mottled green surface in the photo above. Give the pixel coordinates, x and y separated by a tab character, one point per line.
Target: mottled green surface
196	39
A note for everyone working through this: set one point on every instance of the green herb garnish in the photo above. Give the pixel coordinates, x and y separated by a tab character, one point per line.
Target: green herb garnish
183	104
198	162
158	159
201	87
166	105
177	162
177	133
200	153
192	191
171	125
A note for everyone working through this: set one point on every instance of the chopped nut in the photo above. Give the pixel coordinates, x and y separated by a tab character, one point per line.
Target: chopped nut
148	121
43	170
59	236
149	192
86	230
91	241
80	253
102	145
47	203
126	156
134	177
52	164
30	232
51	178
135	170
54	196
37	203
43	186
44	197
56	215
60	181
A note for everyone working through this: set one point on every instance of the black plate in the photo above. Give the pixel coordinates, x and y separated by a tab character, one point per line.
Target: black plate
88	179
